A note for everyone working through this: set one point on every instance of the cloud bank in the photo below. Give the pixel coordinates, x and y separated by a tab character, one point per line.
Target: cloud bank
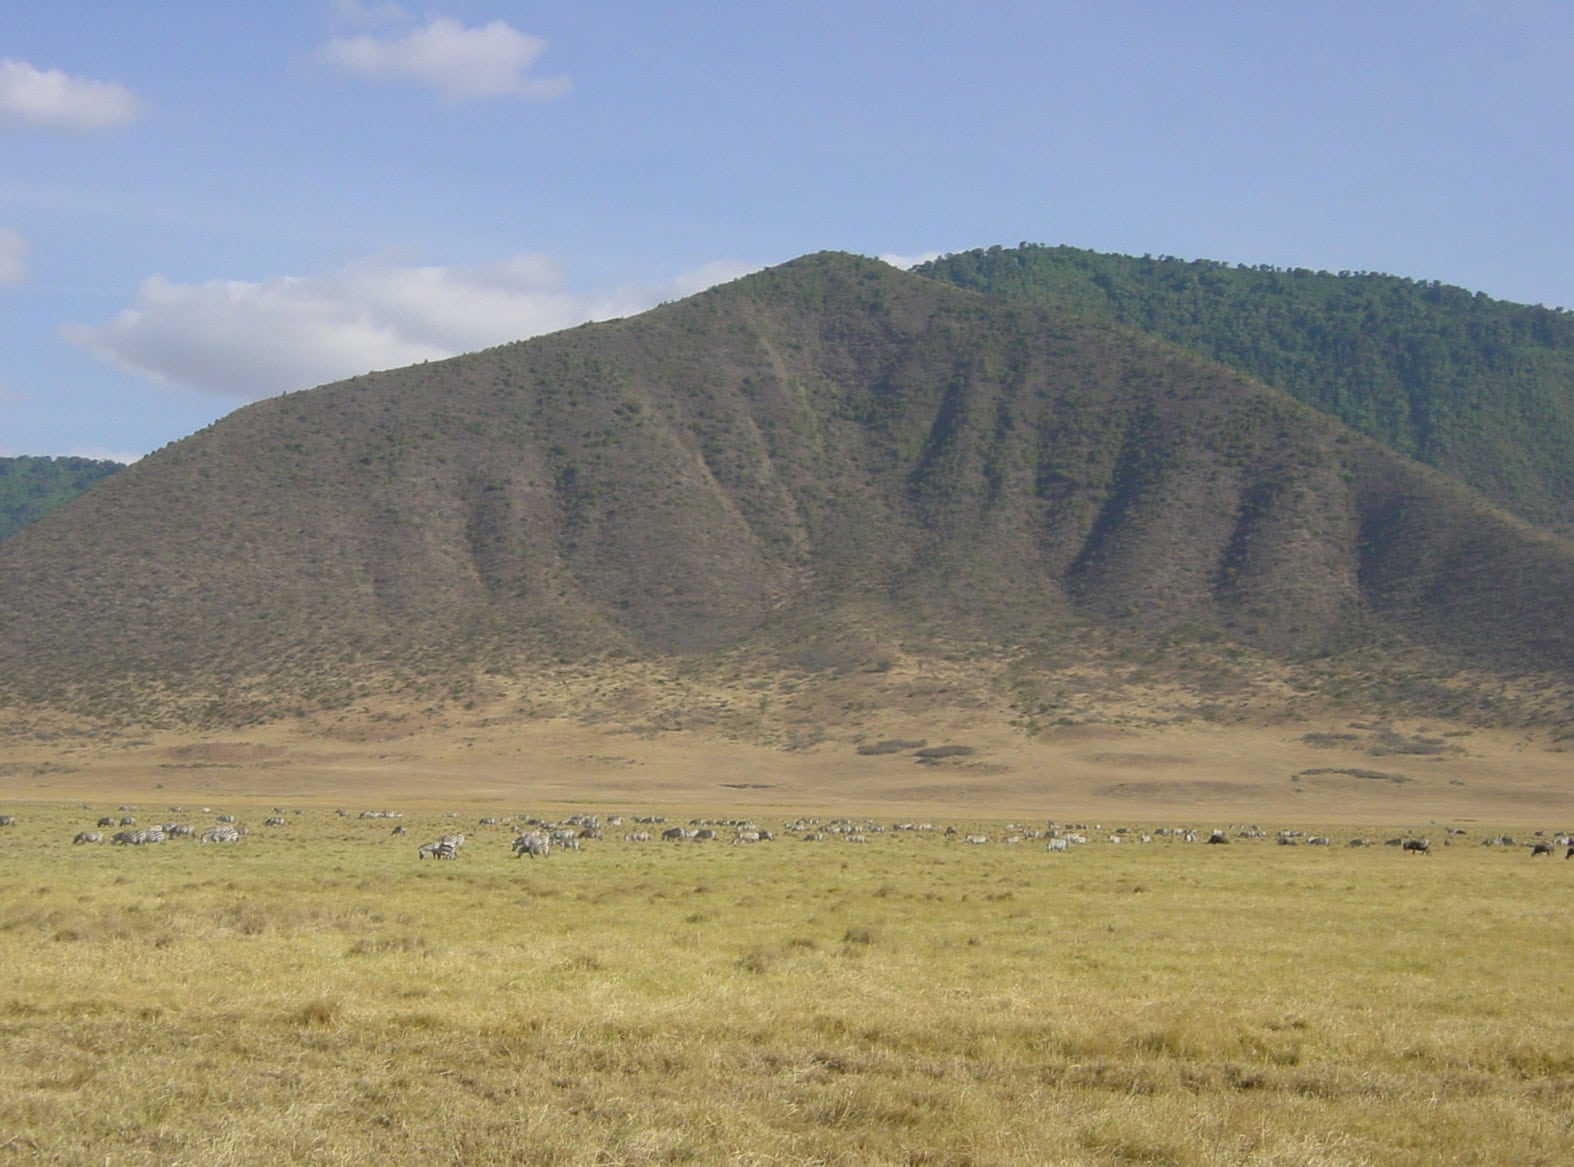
250	340
52	100
493	60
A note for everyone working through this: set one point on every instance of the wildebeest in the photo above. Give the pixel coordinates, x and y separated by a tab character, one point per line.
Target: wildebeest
1421	846
1541	849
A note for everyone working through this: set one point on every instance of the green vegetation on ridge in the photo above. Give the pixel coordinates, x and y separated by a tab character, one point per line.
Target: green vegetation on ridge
32	487
1480	388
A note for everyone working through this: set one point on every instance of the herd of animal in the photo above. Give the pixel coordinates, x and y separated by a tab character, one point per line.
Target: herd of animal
537	838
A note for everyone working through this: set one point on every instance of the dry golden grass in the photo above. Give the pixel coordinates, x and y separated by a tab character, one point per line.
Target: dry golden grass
315	994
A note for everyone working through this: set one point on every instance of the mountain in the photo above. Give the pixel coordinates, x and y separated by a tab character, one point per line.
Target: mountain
32	487
1480	388
818	470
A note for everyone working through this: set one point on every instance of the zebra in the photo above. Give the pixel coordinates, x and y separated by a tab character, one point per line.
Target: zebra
533	844
7	820
89	837
440	849
136	838
221	833
275	821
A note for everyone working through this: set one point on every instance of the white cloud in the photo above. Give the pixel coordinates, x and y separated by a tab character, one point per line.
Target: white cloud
52	100
907	262
252	340
354	12
13	257
493	60
101	454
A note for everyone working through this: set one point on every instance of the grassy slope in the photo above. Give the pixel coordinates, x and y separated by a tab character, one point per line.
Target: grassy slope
826	472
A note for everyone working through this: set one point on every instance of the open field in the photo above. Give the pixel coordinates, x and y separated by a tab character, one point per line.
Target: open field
1130	764
316	994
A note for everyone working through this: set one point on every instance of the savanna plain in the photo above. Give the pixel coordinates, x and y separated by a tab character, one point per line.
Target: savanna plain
315	993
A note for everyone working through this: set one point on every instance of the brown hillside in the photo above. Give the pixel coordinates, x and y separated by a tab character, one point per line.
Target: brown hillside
812	468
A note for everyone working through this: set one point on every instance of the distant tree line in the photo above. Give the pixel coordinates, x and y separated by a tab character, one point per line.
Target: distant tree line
1480	388
31	487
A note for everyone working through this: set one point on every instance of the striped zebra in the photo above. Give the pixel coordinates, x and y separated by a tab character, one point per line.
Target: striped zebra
89	837
221	833
537	846
135	838
446	847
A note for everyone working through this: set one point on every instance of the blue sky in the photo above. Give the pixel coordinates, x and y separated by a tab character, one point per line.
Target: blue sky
202	204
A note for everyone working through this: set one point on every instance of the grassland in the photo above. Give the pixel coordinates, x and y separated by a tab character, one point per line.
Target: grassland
315	994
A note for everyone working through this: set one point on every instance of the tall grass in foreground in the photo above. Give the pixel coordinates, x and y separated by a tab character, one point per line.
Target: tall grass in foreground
316	995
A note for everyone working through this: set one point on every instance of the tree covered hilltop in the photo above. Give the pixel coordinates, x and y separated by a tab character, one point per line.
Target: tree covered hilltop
31	487
1482	389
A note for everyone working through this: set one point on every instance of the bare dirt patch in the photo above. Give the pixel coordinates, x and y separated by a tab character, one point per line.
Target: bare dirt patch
225	753
1177	791
1134	760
